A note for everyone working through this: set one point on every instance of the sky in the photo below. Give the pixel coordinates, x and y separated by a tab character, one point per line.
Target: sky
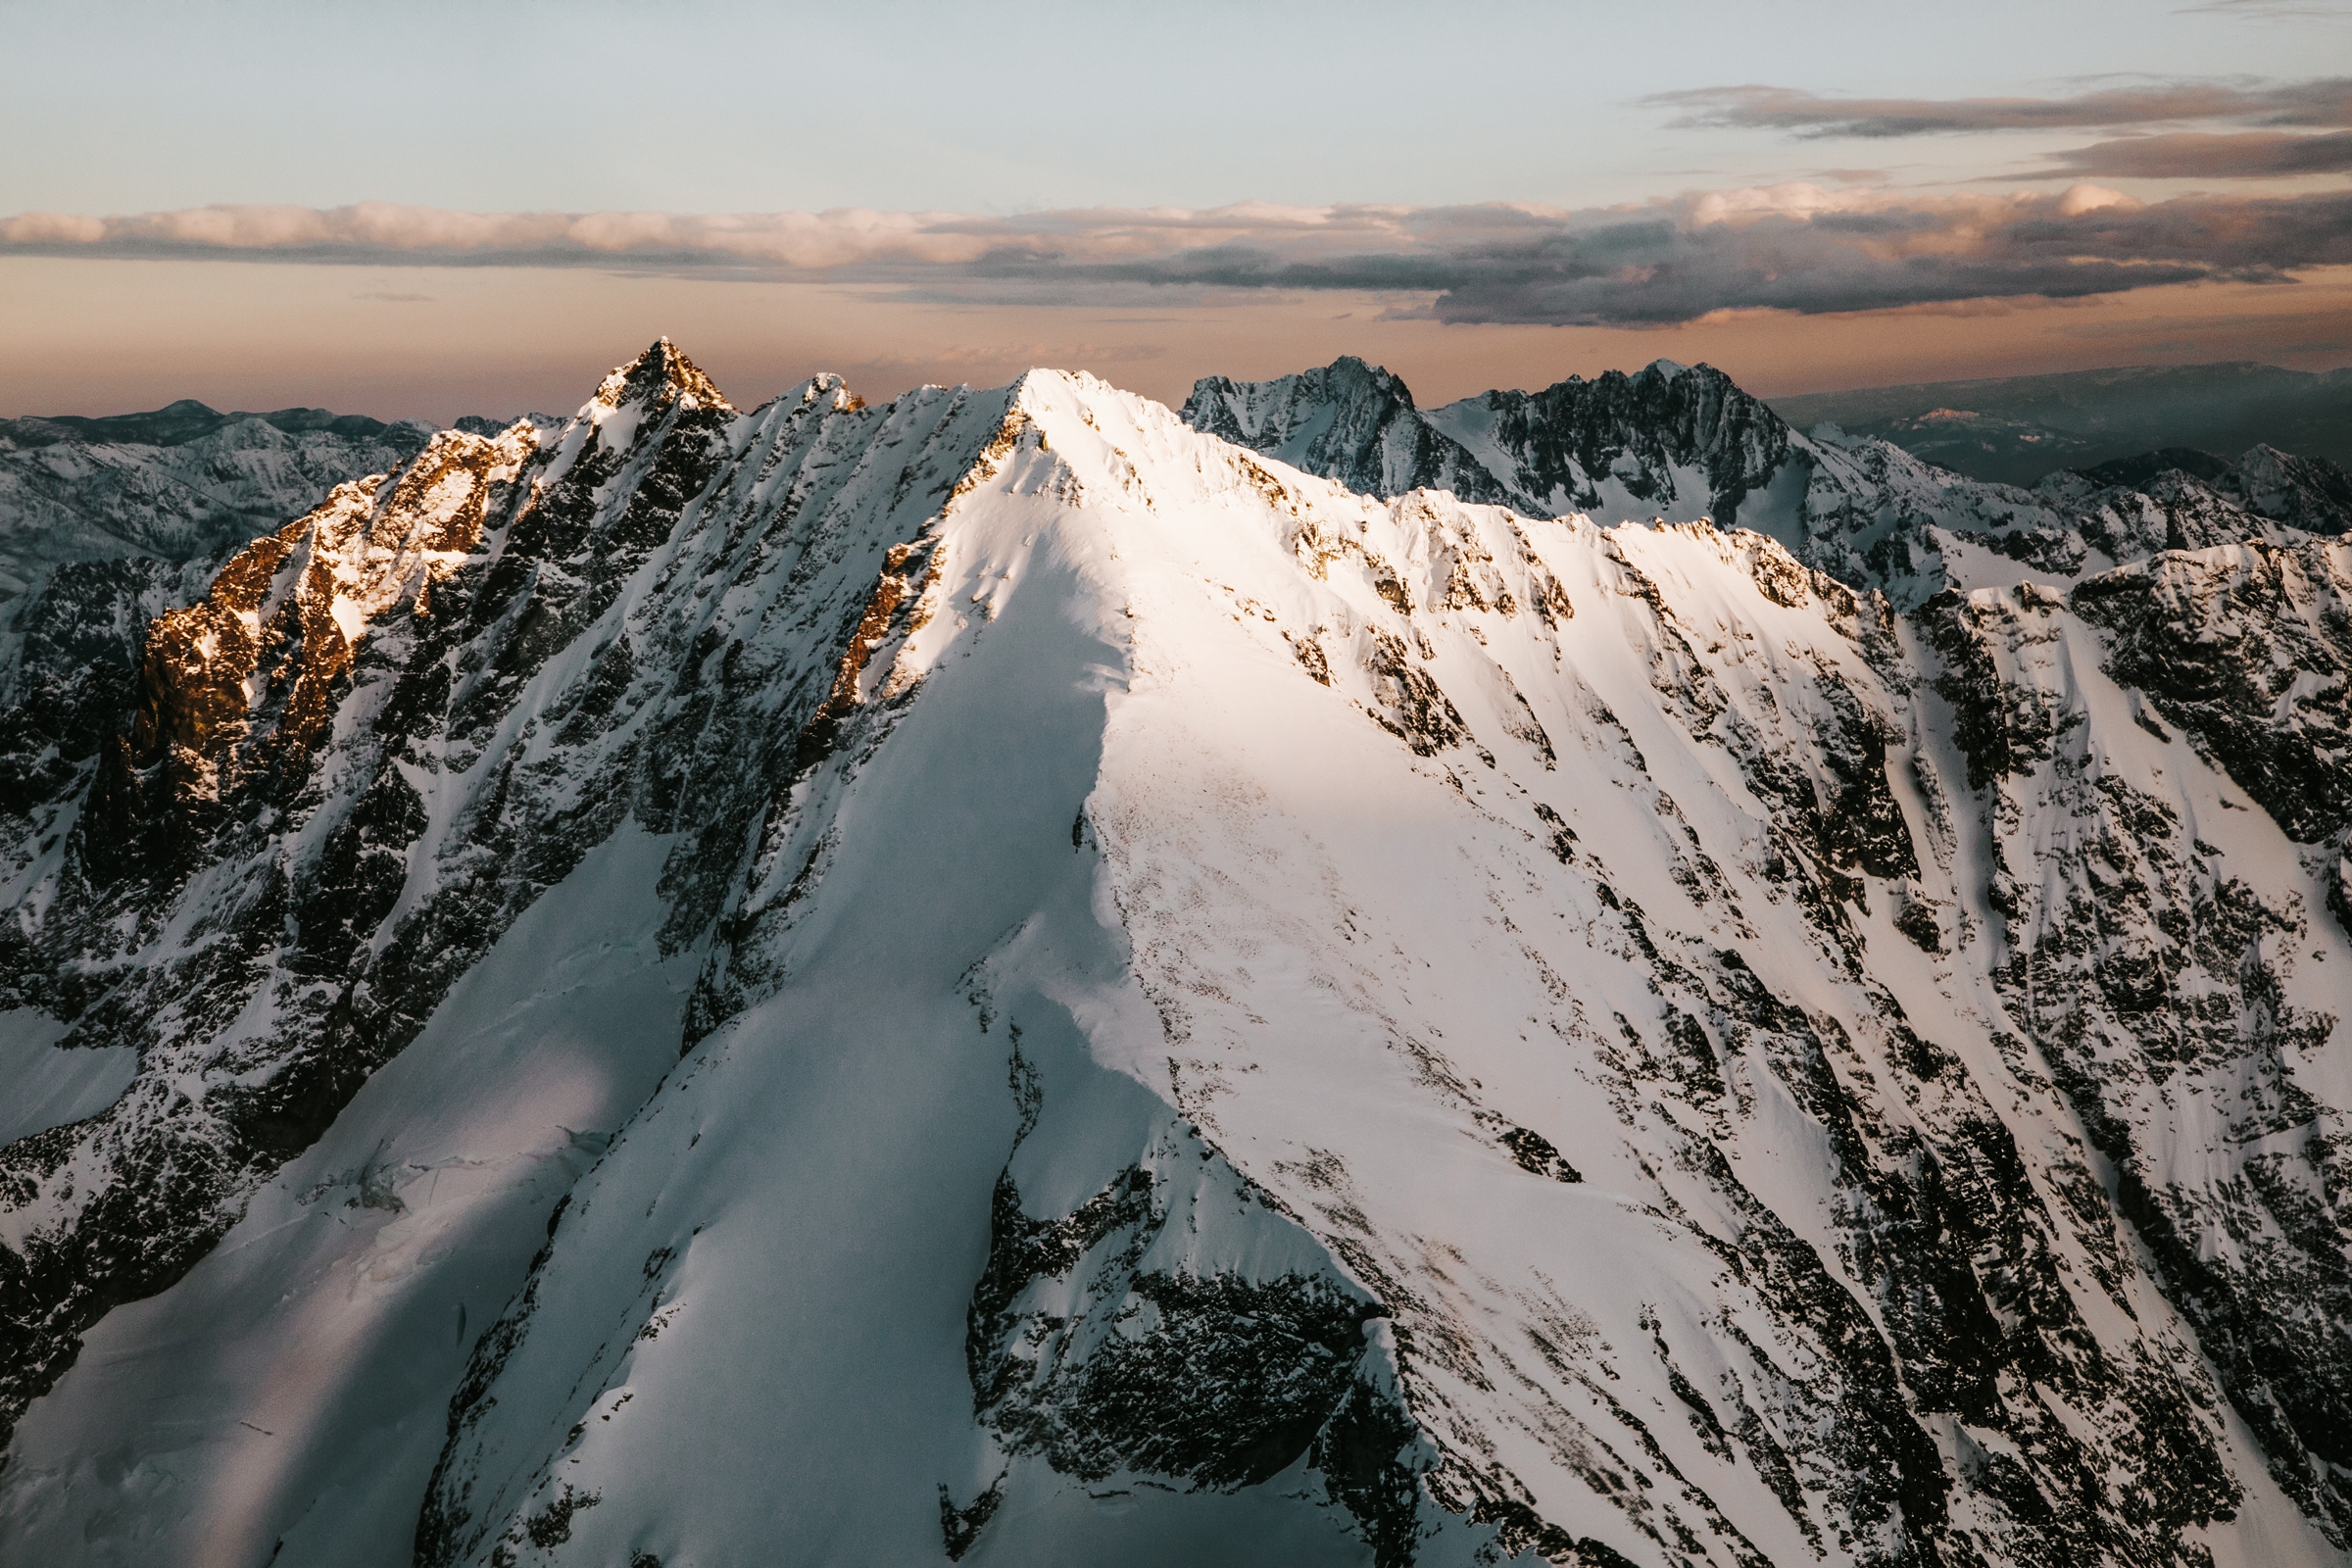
412	209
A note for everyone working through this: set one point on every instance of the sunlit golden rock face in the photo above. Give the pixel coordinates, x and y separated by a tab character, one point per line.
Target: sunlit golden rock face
242	684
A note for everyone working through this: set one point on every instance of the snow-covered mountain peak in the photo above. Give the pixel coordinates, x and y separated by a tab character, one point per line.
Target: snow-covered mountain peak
1348	421
833	391
657	378
1083	993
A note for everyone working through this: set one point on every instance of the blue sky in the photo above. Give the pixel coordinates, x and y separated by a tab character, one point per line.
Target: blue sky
1005	107
991	115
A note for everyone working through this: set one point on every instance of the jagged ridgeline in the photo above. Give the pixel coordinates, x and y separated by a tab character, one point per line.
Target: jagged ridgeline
1003	979
1679	443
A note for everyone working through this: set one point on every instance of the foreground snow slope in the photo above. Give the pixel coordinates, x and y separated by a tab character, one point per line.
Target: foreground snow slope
292	1388
1232	1020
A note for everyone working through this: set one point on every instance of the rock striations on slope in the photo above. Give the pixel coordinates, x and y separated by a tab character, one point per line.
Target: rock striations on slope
1223	1017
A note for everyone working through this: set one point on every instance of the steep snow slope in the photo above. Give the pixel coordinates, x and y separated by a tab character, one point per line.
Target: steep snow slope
1234	1020
310	829
1681	443
288	1394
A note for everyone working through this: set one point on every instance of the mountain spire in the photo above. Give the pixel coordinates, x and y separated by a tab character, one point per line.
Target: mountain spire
663	374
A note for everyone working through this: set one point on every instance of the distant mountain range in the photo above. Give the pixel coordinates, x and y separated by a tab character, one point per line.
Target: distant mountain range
147	492
1677	443
2017	429
178	424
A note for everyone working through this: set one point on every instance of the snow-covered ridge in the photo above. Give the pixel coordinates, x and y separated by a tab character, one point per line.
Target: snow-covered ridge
1231	1019
1677	443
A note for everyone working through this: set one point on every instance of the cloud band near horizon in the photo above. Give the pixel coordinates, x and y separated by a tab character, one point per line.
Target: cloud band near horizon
2323	102
1797	248
2194	155
2324	105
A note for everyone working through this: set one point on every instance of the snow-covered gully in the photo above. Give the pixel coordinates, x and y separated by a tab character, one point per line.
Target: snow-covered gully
997	978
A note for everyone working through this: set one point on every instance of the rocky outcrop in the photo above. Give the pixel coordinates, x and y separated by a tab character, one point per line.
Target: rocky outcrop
1679	443
2248	647
1669	437
2150	970
1350	421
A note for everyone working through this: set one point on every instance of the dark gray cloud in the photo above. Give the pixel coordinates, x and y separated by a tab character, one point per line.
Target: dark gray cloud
1753	107
1654	271
2196	155
1798	247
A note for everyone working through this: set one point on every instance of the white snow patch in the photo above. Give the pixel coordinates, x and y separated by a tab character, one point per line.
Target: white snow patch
46	1085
